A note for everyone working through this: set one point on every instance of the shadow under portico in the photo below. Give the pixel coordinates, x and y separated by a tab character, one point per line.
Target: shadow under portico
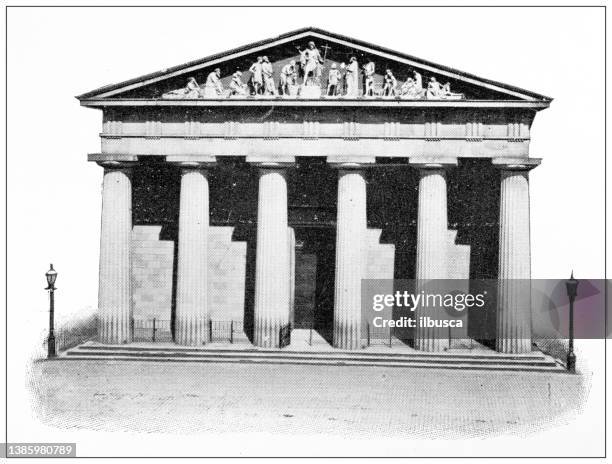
392	207
312	187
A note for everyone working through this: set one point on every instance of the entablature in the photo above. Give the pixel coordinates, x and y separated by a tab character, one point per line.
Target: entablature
367	147
333	122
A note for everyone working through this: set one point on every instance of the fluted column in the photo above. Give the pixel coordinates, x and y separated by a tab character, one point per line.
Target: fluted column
350	255
514	286
114	291
272	274
191	320
432	247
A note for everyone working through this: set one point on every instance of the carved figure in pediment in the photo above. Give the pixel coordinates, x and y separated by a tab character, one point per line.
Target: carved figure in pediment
310	60
268	77
237	87
214	87
406	90
368	79
342	85
333	81
434	89
190	91
448	95
418	79
288	79
256	71
412	89
352	78
390	88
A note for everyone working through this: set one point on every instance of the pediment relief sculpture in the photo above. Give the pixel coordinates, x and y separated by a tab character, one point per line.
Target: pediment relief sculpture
311	64
190	91
314	77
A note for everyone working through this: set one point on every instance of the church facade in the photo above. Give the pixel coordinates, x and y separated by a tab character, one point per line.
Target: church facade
260	187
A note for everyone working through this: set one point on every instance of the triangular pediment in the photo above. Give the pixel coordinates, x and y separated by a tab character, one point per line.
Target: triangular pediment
194	81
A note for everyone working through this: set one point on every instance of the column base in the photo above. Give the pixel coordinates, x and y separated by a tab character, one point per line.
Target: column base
432	345
113	332
347	337
513	346
192	333
266	336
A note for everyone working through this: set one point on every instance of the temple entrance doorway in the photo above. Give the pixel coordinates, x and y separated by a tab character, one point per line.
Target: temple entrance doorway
314	280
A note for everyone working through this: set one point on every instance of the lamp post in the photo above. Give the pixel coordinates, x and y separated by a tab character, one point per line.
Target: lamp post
51	275
572	290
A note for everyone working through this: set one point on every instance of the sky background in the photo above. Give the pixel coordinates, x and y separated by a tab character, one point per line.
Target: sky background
54	194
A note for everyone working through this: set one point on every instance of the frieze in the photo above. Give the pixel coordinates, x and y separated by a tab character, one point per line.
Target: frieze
300	146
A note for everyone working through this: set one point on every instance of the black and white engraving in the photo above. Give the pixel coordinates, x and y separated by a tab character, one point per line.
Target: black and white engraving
316	235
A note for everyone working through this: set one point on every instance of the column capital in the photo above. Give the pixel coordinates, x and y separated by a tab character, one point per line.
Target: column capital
516	164
351	162
271	161
110	161
192	161
123	165
432	162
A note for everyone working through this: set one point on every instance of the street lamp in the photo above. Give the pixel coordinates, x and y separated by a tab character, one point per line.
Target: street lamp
572	290
51	277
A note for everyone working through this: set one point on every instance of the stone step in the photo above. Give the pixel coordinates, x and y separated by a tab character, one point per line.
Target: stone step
539	362
536	355
326	362
308	357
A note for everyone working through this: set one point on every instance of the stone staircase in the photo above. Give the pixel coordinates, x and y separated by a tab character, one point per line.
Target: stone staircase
490	361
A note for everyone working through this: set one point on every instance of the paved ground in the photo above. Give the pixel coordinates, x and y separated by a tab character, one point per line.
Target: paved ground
353	401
